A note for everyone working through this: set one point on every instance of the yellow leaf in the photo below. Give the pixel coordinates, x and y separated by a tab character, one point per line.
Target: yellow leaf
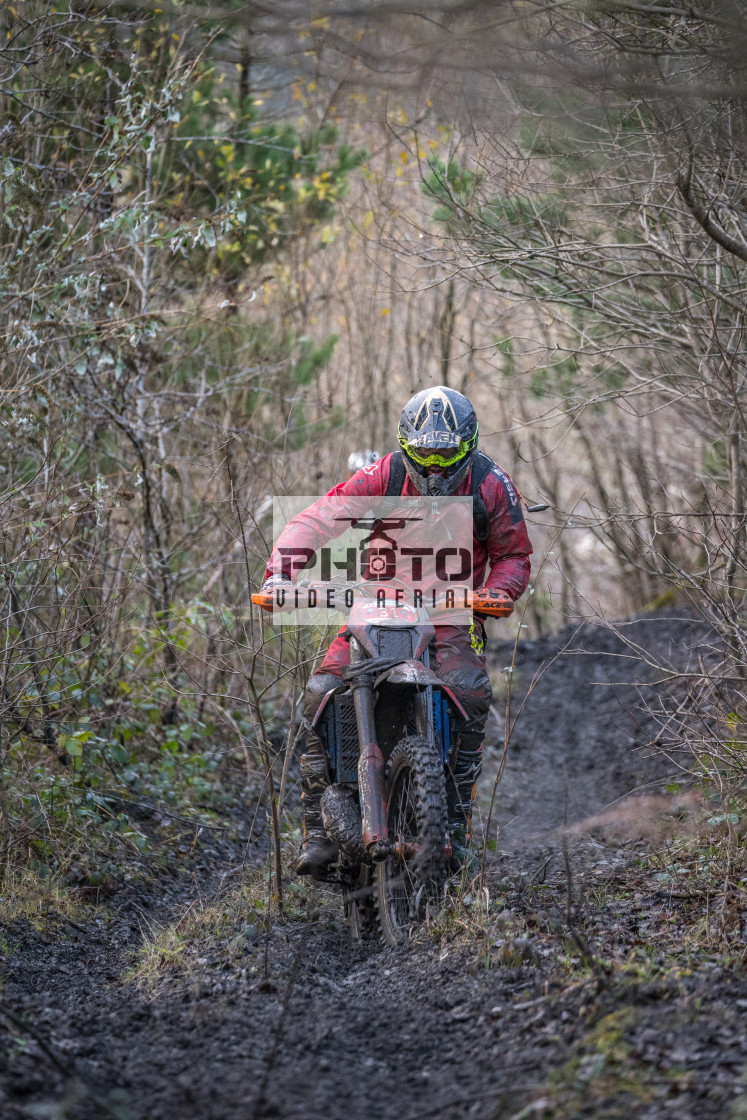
385	310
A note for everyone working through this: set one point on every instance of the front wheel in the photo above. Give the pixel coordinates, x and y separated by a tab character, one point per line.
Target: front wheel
412	879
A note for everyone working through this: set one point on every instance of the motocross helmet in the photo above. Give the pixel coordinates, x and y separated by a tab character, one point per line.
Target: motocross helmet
438	428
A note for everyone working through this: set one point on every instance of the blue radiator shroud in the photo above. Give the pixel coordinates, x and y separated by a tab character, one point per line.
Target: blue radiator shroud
338	728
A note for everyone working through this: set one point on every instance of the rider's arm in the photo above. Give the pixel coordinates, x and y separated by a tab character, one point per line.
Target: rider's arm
321	523
508	544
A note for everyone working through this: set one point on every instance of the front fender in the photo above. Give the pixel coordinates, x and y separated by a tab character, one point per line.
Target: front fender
416	674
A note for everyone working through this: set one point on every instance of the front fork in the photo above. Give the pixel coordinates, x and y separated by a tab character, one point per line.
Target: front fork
371	765
370	771
371	785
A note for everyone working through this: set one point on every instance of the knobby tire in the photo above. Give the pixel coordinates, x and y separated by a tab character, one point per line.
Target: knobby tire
416	814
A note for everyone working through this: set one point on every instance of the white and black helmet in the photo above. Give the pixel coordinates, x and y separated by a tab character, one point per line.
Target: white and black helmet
438	427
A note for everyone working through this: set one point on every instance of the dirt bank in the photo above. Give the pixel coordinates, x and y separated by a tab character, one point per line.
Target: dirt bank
594	722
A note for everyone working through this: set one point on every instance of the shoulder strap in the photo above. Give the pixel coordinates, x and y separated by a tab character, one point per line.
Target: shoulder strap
481	468
396	475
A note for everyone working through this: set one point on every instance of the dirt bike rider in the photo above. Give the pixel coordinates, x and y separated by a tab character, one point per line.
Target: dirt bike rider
438	439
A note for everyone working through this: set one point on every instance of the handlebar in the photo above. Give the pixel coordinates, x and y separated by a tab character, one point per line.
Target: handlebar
483	600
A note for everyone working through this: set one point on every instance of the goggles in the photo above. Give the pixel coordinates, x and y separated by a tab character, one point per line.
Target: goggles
436	457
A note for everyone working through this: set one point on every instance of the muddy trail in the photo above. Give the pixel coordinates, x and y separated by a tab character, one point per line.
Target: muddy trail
576	992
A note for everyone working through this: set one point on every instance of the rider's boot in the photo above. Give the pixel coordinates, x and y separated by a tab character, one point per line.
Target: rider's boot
317	850
460	791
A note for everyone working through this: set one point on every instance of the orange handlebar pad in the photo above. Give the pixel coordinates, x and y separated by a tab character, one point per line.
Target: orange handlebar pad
492	602
263	599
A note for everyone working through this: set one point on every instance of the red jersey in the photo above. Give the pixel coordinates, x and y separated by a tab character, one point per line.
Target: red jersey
507	548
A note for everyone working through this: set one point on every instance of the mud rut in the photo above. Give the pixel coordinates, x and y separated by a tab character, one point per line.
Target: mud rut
343	1030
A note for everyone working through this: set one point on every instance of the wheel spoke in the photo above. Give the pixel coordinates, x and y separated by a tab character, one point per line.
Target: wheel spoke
402	882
